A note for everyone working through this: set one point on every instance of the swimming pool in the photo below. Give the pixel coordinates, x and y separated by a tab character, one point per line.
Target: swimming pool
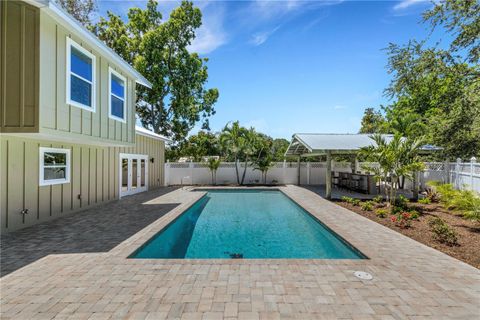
250	224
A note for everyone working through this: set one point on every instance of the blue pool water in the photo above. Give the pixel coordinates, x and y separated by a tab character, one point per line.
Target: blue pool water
246	224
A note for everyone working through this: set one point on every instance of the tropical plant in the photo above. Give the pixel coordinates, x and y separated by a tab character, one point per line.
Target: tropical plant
213	165
263	164
232	142
381	213
442	232
425	200
367	206
396	158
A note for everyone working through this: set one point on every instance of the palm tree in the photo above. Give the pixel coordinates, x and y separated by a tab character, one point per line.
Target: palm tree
213	165
264	164
395	159
232	141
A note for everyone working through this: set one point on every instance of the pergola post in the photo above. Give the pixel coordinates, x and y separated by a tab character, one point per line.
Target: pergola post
328	176
298	171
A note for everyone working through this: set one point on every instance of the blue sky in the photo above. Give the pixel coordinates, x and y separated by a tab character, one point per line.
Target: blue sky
297	66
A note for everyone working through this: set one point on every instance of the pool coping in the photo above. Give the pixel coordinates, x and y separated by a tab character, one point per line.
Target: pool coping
131	245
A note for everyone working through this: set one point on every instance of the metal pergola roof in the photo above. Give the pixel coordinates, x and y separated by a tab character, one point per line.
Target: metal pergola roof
313	144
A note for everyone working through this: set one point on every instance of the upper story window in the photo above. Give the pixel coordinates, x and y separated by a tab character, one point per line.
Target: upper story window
80	76
117	95
54	166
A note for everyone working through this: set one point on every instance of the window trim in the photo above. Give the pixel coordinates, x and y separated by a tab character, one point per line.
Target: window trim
71	43
110	93
41	162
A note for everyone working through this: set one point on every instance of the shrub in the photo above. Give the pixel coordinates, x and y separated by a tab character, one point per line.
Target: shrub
431	190
425	200
402	220
447	194
367	206
347	199
414	214
378	199
442	232
381	213
356	202
467	202
402	202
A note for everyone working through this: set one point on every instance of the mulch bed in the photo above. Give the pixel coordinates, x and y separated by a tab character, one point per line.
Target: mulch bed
468	232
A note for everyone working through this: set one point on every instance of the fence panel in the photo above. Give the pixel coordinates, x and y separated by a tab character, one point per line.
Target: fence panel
463	175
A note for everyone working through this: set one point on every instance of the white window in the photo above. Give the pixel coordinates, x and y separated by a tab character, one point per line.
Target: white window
116	97
54	166
80	76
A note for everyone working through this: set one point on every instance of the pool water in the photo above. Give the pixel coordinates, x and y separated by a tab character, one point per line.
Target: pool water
246	224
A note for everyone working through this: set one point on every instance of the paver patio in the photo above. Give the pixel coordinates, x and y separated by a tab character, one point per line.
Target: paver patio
410	280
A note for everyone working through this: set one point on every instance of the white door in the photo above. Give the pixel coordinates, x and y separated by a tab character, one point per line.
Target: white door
133	173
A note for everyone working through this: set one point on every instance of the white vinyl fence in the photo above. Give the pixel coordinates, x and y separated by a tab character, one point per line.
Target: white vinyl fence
461	175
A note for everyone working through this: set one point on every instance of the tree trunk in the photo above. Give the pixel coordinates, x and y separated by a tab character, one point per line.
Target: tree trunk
244	170
236	170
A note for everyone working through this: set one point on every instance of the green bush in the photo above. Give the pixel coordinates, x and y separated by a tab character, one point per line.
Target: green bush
347	199
402	202
378	199
414	214
367	206
381	213
447	194
466	201
442	232
425	200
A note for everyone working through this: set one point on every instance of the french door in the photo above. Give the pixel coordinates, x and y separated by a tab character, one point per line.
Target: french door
133	173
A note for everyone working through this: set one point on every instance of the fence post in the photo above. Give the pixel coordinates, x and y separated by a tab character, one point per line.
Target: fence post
166	175
446	171
284	173
473	161
191	171
457	172
308	173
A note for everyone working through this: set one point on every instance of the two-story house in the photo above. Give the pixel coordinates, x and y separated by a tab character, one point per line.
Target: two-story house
67	119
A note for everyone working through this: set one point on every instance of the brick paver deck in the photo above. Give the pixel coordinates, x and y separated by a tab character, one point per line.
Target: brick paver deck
411	281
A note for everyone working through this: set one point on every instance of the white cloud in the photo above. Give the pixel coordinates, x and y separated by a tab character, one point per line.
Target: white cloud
339	107
211	34
404	4
260	37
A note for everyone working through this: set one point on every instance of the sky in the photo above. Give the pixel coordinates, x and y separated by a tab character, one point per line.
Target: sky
292	66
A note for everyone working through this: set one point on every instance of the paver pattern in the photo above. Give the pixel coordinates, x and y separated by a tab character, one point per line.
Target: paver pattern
411	281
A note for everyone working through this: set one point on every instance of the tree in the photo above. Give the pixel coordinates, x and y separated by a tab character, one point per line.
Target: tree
279	147
82	10
158	49
462	19
263	164
213	165
199	145
372	121
393	159
438	95
232	142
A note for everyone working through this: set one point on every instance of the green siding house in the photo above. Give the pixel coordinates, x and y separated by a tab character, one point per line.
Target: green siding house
68	139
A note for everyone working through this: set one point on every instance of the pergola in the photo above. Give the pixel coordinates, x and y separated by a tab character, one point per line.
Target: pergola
319	144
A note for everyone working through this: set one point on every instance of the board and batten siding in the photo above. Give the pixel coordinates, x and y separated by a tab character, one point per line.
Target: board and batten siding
94	178
19	67
61	119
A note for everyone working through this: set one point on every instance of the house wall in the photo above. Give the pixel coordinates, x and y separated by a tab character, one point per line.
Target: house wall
19	67
94	178
60	119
